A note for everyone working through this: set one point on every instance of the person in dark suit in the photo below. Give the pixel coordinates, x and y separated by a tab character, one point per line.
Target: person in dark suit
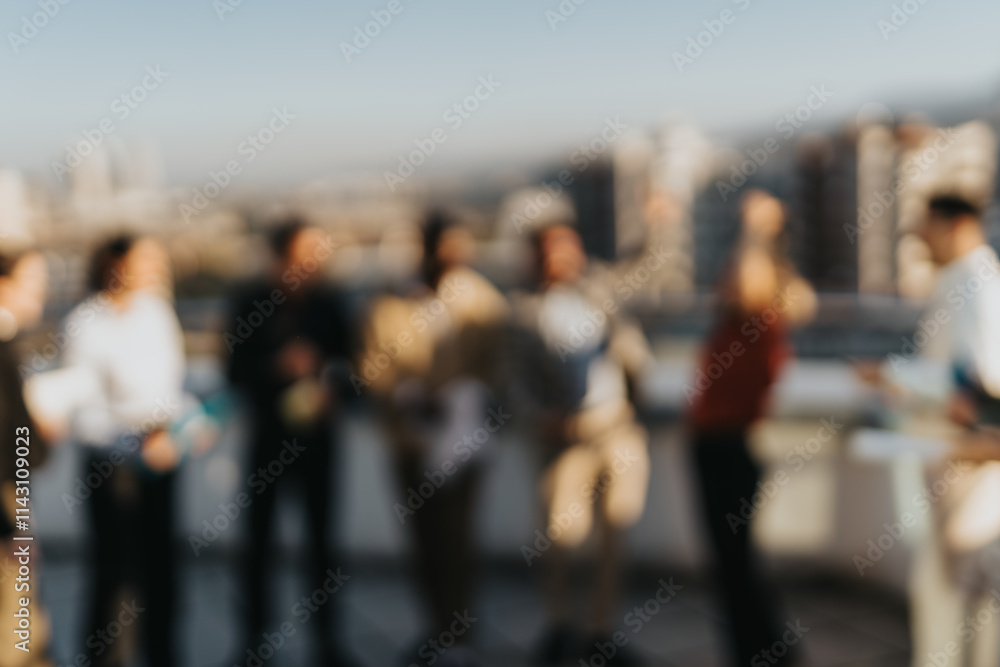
285	331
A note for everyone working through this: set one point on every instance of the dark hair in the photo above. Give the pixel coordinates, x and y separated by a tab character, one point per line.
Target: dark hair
436	224
7	263
952	207
105	258
283	234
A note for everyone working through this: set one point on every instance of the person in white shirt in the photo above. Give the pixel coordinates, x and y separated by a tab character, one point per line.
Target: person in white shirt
126	342
954	347
953	364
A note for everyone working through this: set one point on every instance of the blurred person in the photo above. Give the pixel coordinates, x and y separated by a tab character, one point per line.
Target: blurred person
430	358
595	459
957	370
760	297
287	333
23	287
125	354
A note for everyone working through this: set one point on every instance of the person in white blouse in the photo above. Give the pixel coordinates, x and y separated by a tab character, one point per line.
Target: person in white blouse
125	345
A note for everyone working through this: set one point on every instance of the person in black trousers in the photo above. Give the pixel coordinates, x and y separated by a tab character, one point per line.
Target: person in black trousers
759	299
283	335
125	343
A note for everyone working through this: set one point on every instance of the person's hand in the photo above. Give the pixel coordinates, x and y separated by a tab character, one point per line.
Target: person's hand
868	371
980	444
962	410
159	452
206	433
297	360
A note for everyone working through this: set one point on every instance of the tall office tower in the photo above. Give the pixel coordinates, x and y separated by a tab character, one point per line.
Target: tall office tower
681	166
593	193
140	199
632	158
822	200
717	206
91	198
876	219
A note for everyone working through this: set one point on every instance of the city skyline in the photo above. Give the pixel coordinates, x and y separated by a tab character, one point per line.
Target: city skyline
359	105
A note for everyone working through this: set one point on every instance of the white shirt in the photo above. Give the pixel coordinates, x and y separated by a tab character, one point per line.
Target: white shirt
960	327
136	359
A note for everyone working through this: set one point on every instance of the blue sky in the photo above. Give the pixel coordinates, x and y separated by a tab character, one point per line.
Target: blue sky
610	58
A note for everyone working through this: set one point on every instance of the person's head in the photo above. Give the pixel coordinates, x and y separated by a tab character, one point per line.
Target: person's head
447	245
124	264
107	266
762	215
301	248
951	228
23	287
561	257
753	282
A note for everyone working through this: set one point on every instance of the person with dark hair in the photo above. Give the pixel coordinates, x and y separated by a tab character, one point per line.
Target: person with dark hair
760	297
122	376
957	374
288	335
23	286
436	394
964	351
593	451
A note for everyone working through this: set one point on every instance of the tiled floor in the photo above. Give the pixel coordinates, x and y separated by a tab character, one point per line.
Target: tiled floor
848	627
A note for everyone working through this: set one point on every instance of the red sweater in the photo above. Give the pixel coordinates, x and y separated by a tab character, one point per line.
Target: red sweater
741	360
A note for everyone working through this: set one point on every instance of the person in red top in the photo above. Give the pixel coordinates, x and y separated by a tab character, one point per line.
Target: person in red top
760	297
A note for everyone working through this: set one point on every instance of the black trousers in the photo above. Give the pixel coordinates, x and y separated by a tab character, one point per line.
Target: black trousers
132	524
728	474
444	540
309	474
